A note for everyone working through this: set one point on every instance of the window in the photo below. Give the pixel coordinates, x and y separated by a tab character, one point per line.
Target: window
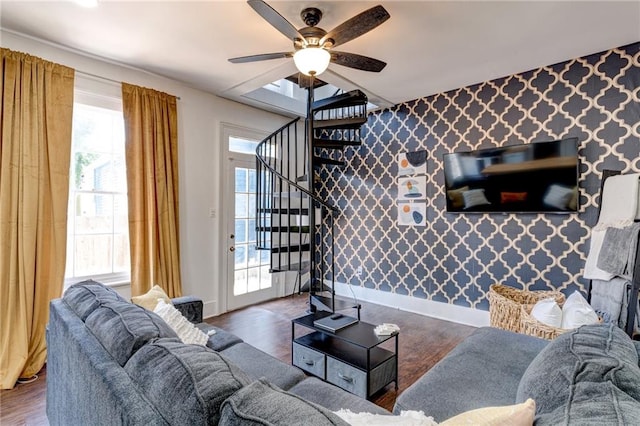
98	228
242	146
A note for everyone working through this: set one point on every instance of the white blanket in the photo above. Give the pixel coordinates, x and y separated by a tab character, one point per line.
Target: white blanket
619	204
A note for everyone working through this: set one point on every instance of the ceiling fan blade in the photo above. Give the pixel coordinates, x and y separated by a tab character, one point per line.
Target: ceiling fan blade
358	62
275	19
262	57
356	26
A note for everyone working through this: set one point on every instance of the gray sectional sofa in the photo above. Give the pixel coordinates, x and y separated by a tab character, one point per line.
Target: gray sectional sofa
588	376
112	362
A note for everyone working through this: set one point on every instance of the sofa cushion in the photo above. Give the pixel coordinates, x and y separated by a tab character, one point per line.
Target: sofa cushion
123	328
594	404
482	371
333	398
262	403
591	370
258	364
84	297
187	383
219	339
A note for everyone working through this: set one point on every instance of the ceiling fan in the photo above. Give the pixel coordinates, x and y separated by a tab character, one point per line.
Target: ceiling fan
313	46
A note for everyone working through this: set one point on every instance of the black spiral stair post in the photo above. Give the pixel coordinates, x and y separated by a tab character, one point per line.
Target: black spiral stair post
310	186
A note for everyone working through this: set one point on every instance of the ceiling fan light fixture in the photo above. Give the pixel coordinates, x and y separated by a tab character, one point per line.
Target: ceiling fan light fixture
312	60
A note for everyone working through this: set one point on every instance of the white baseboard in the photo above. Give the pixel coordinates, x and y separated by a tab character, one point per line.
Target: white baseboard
443	311
210	309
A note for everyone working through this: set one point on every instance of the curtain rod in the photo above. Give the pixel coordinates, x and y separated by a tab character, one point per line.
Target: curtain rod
110	80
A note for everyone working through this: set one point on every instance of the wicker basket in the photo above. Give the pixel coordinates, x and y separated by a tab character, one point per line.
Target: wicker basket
531	326
505	304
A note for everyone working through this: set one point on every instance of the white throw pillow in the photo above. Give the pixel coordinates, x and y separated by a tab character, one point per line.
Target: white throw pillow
406	418
509	415
548	312
577	312
186	331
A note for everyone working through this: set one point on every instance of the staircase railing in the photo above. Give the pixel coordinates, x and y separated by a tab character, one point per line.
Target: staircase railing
284	206
294	223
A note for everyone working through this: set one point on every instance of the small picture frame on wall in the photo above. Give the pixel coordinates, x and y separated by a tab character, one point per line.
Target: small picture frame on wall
412	214
412	163
412	188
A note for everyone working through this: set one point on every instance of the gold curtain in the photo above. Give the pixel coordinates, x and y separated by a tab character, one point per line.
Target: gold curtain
35	151
151	146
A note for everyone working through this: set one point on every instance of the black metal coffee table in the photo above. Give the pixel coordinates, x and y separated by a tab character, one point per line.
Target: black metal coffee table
350	358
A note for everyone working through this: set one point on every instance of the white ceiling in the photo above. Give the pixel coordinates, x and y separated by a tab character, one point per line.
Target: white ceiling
429	46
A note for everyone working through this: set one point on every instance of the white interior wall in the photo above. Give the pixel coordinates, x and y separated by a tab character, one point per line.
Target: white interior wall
200	114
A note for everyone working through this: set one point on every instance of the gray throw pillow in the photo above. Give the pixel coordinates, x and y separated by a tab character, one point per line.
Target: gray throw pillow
123	328
594	404
262	403
186	383
84	297
590	375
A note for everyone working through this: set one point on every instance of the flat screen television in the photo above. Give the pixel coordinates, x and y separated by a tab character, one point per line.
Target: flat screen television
540	177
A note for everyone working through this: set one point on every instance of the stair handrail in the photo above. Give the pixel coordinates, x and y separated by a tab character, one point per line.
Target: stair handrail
281	176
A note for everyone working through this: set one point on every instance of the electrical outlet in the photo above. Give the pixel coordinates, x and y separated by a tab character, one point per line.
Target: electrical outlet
212	213
359	271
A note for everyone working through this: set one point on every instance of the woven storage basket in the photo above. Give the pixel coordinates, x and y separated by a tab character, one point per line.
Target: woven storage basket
531	326
505	304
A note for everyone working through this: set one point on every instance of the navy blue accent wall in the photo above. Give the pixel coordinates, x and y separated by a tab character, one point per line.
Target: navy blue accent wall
456	257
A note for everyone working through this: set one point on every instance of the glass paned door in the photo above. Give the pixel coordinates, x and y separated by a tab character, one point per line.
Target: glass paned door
247	266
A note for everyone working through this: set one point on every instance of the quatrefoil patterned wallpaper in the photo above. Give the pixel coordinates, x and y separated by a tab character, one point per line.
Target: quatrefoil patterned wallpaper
456	257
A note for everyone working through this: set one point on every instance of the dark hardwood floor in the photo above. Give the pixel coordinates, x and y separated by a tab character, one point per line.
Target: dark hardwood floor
423	342
25	404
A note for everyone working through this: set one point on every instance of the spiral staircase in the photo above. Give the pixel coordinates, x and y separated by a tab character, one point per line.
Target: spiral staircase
293	221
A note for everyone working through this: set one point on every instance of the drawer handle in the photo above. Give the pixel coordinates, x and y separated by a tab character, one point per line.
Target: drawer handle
345	378
309	362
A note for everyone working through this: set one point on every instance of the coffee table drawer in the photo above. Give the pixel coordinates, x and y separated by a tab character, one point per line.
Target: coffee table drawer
309	360
347	377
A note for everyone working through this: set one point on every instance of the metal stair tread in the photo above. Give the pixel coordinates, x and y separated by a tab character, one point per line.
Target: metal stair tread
305	286
340	123
352	98
303	267
325	302
291	228
290	194
334	143
329	161
290	249
282	210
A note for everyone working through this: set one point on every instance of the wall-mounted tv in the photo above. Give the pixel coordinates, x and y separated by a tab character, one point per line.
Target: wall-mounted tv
540	177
